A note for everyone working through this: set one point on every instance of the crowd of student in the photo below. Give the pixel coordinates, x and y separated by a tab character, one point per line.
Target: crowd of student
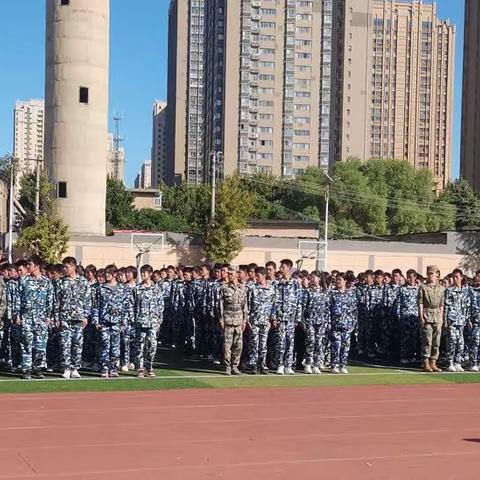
252	318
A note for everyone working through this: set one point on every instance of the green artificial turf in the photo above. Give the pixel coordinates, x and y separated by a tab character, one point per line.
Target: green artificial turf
180	374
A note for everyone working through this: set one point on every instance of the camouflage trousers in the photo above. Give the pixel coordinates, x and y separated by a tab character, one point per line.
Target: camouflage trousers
257	348
189	332
475	346
284	343
201	335
71	345
214	338
409	337
127	340
145	346
232	345
33	346
16	353
373	332
340	347
53	347
109	336
361	331
90	343
5	343
315	344
455	344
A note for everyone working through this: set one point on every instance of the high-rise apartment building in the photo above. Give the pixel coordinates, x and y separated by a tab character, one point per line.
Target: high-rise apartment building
159	143
144	177
28	135
115	159
398	60
280	85
470	143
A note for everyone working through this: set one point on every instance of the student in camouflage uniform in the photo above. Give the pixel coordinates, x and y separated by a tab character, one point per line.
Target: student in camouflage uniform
33	311
233	318
214	330
390	327
361	292
110	307
148	305
55	273
179	310
90	333
167	288
408	311
375	308
73	307
316	318
343	317
201	288
288	314
127	330
457	317
188	330
261	311
475	320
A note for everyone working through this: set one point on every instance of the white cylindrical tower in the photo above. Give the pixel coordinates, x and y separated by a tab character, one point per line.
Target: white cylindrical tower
76	110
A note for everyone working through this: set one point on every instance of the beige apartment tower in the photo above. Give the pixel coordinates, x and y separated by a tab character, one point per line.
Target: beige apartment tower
159	143
470	143
397	93
76	103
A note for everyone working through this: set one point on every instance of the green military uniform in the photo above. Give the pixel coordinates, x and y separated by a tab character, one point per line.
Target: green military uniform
431	297
233	315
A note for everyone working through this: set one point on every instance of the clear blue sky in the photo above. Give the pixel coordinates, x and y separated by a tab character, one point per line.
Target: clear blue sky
138	66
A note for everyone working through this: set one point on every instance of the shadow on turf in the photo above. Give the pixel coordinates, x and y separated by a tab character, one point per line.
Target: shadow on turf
472	440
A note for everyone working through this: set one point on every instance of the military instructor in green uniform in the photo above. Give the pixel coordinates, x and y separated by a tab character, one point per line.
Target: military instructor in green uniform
430	312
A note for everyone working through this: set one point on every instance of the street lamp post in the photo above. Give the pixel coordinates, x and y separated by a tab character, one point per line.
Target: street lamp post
10	208
327	201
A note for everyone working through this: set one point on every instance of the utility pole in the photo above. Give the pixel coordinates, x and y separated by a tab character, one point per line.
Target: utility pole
37	188
10	209
217	160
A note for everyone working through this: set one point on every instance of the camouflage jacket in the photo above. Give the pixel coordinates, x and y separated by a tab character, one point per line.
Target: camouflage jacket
289	301
317	307
34	300
376	299
408	301
457	305
343	310
10	294
73	300
233	304
390	301
475	305
112	305
148	305
261	304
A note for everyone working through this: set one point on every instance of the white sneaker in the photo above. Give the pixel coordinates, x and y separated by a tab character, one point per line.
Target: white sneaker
336	371
289	371
131	366
281	370
451	368
75	374
66	373
316	370
343	370
216	361
124	368
308	369
474	369
459	368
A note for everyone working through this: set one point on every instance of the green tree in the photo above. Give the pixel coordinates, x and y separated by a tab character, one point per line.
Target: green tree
120	211
157	221
47	237
465	202
234	207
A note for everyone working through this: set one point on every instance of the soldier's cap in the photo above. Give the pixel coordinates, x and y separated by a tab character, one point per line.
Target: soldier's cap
232	269
432	269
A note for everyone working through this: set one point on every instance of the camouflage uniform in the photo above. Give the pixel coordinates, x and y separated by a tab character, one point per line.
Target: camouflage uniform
73	304
11	338
261	309
361	293
4	330
53	342
390	327
214	332
409	326
110	313
179	313
189	332
288	313
375	308
343	317
90	334
233	315
317	320
475	319
127	328
148	306
457	314
166	330
200	315
34	308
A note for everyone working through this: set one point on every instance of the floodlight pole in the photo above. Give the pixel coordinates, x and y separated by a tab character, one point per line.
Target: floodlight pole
216	158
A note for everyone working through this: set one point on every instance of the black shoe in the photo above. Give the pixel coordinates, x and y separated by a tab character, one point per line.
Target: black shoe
38	374
253	371
27	376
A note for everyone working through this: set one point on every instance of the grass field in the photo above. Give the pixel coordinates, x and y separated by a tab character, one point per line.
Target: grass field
181	374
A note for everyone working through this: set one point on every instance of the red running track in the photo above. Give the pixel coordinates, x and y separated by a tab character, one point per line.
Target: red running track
407	433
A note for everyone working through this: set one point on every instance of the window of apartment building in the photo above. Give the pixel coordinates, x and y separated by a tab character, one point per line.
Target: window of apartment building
265	91
303	68
303	55
303	29
304	3
303	94
265	77
268	11
302	133
302	106
267	64
267	38
301	158
267	24
302	120
62	190
265	129
265	103
303	43
266	143
267	51
265	156
64	2
304	17
302	146
265	116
